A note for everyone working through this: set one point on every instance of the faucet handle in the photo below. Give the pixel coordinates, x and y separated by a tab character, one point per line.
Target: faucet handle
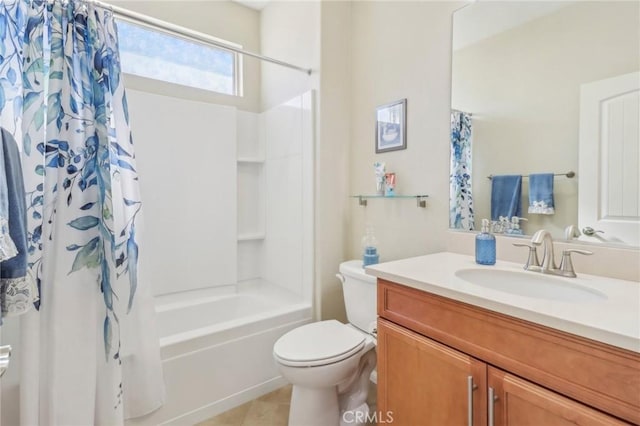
584	252
533	264
566	265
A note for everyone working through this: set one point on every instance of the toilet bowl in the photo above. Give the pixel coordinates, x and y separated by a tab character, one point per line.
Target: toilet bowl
329	363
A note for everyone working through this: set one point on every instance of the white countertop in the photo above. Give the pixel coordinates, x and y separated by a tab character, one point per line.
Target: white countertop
615	320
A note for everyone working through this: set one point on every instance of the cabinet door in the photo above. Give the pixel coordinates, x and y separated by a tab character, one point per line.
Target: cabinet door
521	403
421	382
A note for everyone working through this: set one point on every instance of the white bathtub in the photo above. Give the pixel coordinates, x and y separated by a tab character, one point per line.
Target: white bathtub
216	348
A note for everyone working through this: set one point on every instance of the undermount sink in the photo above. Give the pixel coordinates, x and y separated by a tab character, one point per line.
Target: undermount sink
530	284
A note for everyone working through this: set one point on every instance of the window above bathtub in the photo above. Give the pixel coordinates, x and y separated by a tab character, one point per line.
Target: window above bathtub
158	55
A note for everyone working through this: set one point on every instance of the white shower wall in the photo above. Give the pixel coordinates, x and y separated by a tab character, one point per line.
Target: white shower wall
288	130
228	194
276	196
186	159
250	196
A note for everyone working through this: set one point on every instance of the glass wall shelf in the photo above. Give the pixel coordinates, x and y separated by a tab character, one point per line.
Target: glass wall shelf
420	199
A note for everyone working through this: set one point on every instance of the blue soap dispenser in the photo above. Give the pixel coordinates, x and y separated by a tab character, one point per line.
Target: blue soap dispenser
370	254
485	245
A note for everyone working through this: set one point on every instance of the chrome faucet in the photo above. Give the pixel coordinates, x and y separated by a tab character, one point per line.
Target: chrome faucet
543	237
548	266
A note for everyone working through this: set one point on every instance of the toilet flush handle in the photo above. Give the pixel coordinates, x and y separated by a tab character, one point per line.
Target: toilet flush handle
340	277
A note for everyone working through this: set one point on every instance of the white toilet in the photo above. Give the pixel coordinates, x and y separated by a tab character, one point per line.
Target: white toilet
328	362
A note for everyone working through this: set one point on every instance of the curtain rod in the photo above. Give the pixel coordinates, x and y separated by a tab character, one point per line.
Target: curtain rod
569	174
139	18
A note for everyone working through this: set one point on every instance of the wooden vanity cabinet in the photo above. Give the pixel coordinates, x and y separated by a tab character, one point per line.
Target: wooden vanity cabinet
422	382
520	402
439	360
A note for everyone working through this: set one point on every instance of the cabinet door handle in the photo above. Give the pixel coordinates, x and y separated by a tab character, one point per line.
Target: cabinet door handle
470	388
492	399
5	354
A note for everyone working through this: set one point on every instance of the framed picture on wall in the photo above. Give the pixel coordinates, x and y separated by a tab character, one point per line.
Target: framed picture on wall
391	126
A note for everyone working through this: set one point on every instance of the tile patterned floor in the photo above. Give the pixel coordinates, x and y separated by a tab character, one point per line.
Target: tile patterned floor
271	409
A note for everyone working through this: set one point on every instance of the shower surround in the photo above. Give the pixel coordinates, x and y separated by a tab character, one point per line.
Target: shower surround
227	248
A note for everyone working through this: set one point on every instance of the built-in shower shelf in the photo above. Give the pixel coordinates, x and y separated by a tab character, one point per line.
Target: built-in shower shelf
250	160
251	236
420	199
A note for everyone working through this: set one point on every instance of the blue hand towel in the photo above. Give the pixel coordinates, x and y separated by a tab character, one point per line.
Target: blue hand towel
505	196
17	288
541	193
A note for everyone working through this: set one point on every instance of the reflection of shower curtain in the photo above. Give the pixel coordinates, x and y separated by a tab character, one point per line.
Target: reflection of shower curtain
460	198
90	352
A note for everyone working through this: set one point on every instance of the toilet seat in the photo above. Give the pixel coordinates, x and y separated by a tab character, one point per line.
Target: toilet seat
319	343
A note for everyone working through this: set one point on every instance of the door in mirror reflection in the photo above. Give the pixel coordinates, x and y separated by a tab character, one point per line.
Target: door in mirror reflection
609	195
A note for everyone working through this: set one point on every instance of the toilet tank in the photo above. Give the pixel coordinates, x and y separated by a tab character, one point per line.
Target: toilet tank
360	295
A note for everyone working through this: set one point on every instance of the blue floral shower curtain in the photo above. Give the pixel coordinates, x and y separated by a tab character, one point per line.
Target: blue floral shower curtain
460	198
91	353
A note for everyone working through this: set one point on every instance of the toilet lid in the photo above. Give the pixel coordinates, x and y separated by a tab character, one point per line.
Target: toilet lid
319	343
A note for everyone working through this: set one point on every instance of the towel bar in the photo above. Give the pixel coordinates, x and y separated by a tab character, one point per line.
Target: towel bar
569	174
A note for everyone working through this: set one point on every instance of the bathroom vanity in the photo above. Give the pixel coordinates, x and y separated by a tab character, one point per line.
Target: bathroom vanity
453	351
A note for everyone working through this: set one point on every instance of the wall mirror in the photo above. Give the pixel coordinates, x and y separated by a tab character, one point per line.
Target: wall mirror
519	72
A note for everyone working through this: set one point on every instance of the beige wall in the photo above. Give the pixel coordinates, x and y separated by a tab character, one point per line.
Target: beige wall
402	50
332	157
290	32
523	88
223	19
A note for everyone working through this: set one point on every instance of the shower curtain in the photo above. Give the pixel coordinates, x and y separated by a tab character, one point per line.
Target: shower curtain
90	352
460	198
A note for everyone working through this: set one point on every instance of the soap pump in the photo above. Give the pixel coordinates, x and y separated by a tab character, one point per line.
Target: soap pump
485	245
503	225
515	229
370	254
